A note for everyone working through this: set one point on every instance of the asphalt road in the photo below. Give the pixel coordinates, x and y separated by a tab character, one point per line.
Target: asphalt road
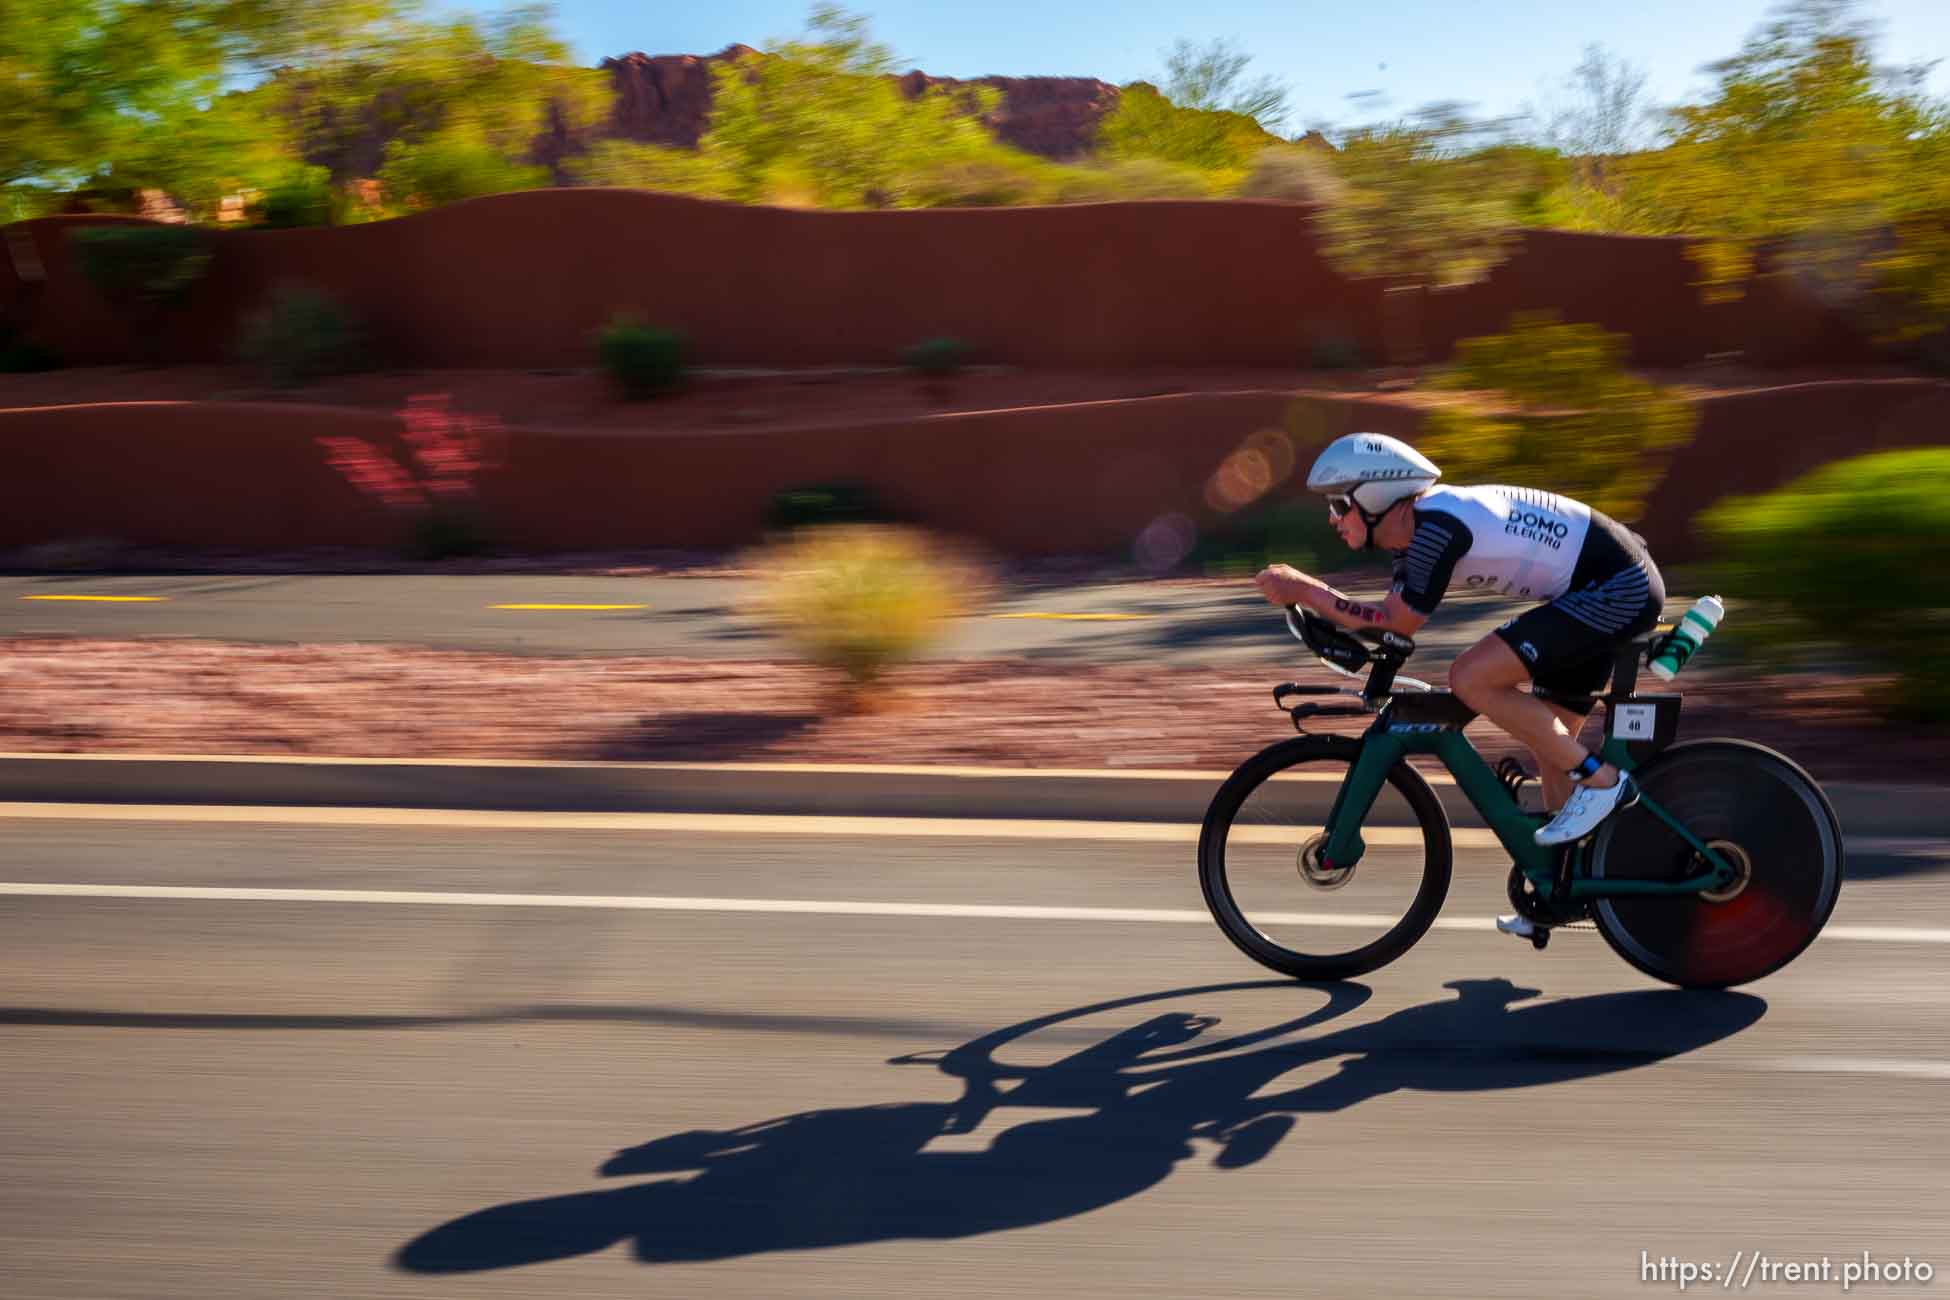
262	1093
696	617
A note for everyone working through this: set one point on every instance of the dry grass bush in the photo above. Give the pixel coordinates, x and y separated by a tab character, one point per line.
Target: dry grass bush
861	597
68	555
1295	174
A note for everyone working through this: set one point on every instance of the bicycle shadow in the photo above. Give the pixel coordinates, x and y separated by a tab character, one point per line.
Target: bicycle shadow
1148	1096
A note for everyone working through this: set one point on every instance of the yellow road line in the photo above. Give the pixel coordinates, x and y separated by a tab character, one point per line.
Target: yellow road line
1081	618
568	607
121	599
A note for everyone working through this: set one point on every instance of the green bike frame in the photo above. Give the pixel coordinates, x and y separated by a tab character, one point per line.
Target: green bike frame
1387	743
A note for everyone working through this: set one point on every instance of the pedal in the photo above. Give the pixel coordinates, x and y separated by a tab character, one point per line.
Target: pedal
1540	937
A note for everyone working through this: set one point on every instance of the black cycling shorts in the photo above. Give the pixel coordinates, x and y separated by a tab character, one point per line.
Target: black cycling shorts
1571	644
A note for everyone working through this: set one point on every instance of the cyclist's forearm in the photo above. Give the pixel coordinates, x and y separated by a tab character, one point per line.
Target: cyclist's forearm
1341	610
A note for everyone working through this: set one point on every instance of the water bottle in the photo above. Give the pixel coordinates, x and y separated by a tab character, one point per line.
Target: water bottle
1694	627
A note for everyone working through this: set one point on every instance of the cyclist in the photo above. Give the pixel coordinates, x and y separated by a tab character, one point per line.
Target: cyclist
1598	586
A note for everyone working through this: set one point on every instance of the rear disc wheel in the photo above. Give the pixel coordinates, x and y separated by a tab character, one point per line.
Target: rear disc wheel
1765	817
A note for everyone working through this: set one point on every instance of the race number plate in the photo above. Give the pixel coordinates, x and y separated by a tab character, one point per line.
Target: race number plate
1634	721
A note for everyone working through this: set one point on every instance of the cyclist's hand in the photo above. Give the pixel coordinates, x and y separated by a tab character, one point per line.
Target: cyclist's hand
1284	585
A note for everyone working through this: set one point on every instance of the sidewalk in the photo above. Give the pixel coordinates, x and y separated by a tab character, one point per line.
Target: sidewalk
752	789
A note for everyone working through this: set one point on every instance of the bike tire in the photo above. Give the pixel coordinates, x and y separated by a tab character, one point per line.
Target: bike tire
1331	756
1730	791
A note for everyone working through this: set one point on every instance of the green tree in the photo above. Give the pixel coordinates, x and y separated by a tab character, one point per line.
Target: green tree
349	71
1552	387
627	164
117	94
1208	77
1807	145
1602	111
823	121
1146	124
457	162
1429	202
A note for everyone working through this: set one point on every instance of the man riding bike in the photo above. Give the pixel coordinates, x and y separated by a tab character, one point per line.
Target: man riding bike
1598	585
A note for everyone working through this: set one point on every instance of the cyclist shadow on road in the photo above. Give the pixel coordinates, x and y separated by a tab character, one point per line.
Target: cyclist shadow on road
1147	1097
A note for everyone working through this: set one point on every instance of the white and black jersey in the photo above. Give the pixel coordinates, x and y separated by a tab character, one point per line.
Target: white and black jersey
1598	585
1528	544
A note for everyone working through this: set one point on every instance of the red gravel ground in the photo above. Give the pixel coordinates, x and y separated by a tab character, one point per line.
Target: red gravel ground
182	696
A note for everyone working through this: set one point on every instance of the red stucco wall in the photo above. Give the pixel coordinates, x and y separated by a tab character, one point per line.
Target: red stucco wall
524	279
1050	480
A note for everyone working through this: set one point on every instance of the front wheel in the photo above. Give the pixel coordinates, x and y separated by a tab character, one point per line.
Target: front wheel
1761	813
1268	887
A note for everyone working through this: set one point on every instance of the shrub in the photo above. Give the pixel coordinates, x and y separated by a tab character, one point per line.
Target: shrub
451	165
1853	553
628	164
1581	425
1291	531
824	503
20	356
861	597
145	271
447	530
435	489
974	183
643	360
93	554
936	358
1126	179
303	196
142	267
1335	352
300	336
1147	125
1293	173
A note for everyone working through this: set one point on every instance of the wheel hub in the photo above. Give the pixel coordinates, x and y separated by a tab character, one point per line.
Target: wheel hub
1316	870
1743	867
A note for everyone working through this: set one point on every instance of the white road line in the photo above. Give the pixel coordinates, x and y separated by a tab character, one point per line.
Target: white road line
718	823
1886	933
1900	1067
802	906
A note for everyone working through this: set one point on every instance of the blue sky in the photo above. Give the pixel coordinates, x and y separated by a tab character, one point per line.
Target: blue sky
1495	54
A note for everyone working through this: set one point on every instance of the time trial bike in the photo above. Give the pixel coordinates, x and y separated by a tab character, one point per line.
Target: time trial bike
1325	856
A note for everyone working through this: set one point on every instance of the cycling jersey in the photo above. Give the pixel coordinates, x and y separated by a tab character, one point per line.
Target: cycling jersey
1601	585
1509	540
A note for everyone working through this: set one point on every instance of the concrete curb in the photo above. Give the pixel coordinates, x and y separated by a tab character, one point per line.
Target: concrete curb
748	789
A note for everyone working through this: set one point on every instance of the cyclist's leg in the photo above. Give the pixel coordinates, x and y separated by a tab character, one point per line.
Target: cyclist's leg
1490	676
1557	783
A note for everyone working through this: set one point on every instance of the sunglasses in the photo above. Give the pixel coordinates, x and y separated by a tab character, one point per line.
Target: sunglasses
1338	506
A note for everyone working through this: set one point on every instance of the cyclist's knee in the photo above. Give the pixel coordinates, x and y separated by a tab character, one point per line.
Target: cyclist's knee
1478	672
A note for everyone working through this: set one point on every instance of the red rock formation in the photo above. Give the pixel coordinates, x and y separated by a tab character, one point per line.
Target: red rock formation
1056	117
666	99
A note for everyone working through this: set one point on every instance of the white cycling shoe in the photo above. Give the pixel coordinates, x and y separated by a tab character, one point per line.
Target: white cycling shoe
1521	926
1586	809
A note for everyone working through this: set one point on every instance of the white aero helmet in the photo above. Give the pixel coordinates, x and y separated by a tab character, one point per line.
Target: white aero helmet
1373	469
